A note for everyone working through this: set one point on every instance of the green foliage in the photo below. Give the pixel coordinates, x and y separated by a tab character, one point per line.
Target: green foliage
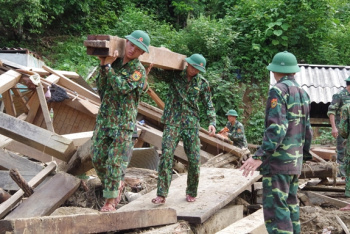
325	137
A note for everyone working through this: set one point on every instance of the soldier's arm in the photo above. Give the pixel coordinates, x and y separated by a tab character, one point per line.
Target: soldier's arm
208	103
344	122
276	124
332	110
238	134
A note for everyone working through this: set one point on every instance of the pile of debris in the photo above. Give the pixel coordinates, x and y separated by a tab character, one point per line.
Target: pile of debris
48	184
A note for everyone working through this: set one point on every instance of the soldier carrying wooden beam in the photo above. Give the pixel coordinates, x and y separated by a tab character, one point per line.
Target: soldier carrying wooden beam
120	83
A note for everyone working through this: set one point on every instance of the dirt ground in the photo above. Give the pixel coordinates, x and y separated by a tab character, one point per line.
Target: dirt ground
88	199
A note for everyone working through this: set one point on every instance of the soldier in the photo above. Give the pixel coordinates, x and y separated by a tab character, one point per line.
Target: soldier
287	136
120	83
181	119
338	100
234	130
344	129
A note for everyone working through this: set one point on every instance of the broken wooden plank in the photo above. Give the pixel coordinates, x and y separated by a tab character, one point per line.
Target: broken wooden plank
342	224
220	160
6	206
44	108
34	105
36	137
92	223
23	101
105	45
154	137
253	224
223	184
79	138
8	80
51	195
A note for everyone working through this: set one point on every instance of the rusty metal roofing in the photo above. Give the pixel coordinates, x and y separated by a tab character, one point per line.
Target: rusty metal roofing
320	81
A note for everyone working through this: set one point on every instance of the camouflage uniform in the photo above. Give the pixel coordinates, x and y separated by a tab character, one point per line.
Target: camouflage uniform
338	100
181	119
236	134
120	88
287	135
344	129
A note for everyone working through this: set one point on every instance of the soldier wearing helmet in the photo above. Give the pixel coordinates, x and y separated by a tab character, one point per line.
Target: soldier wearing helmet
234	130
287	138
120	83
181	119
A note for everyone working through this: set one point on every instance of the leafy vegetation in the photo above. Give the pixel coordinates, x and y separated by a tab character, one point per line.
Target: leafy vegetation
238	38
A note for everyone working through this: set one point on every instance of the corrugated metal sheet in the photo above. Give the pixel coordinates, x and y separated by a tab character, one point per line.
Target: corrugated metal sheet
320	81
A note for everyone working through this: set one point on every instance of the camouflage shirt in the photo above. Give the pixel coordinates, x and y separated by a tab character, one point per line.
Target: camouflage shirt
344	123
338	100
288	131
181	105
120	89
236	134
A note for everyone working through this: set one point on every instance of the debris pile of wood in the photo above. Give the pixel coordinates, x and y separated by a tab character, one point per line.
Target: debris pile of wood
45	154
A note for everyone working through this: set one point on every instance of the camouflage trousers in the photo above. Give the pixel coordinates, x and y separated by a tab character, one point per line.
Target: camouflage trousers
347	171
110	157
280	203
191	141
340	155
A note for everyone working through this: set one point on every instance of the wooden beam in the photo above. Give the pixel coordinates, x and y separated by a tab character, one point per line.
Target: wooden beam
156	98
44	108
36	137
92	223
43	72
317	199
18	94
53	79
9	104
79	138
67	83
253	224
154	137
105	45
51	195
6	206
34	105
8	80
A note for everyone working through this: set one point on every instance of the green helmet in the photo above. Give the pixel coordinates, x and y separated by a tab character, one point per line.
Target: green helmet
348	79
140	39
284	62
232	113
197	61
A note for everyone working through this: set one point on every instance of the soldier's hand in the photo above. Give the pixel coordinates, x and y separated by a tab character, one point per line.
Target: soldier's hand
335	132
250	166
111	59
212	130
148	69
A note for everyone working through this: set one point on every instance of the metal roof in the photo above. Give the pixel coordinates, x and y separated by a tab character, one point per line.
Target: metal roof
320	81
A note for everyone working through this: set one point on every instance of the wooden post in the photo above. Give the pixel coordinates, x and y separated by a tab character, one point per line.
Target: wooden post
20	181
44	107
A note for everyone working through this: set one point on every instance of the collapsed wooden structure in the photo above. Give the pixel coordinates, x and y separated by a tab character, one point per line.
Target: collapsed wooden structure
62	145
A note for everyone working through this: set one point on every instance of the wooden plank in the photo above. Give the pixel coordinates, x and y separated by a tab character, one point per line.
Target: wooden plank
317	198
223	184
34	105
9	104
9	160
51	195
36	137
342	224
105	45
154	137
156	114
43	72
30	152
326	154
8	80
79	138
53	79
156	98
65	82
253	224
92	223
6	206
44	108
